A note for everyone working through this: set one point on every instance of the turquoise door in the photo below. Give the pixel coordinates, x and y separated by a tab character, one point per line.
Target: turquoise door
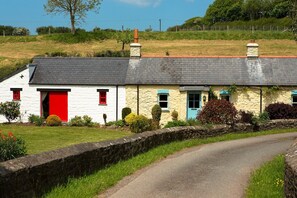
194	105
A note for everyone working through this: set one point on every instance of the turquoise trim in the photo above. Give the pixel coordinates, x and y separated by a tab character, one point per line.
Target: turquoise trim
224	92
163	91
294	92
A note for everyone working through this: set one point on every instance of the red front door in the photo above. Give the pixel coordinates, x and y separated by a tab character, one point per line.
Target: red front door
58	105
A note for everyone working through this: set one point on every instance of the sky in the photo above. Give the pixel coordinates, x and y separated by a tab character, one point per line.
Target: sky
114	14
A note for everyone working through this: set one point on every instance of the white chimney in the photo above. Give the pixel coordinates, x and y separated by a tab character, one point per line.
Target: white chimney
135	47
252	50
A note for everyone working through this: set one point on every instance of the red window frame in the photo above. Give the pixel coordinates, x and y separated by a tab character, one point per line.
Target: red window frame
16	95
102	98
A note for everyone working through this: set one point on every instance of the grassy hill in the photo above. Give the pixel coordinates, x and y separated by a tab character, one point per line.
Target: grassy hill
18	51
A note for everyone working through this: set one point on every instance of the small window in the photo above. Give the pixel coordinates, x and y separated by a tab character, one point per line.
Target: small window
163	101
16	95
225	97
102	98
294	100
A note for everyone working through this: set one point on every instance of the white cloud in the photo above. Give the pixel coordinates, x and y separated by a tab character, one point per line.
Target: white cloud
142	3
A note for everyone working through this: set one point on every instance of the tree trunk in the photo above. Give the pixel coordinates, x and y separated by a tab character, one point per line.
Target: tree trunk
123	46
72	19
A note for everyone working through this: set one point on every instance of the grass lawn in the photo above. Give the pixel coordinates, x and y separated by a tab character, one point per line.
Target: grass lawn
39	139
268	181
91	185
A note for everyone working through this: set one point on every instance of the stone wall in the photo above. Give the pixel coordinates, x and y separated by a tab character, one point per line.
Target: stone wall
32	175
291	172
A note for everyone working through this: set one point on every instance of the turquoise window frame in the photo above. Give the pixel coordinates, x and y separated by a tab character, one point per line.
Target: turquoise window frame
293	94
225	93
163	92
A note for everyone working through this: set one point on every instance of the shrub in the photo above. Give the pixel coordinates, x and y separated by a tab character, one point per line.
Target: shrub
35	119
11	147
119	123
81	121
156	115
87	120
125	111
246	116
174	115
175	123
280	111
76	121
218	112
140	124
264	116
53	120
193	122
11	110
130	118
156	112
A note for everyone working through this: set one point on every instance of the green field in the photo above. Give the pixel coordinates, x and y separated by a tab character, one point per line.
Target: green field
15	52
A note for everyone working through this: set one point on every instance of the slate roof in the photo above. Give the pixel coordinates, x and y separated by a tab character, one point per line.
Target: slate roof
80	71
213	71
166	71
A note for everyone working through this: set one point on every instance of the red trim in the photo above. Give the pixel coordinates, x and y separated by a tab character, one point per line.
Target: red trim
58	104
102	98
16	95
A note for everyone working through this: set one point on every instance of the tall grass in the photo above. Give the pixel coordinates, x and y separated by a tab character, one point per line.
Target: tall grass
17	39
268	181
182	35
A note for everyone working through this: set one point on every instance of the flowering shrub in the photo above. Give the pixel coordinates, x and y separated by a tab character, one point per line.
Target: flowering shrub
281	111
11	110
53	120
11	147
218	112
140	124
130	118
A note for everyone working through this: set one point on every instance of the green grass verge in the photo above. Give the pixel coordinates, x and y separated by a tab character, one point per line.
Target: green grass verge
268	181
39	139
91	185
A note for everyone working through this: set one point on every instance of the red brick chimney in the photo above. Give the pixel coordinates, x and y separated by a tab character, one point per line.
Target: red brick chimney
135	48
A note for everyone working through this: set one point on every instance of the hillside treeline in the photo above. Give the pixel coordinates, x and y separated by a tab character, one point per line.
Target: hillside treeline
246	10
241	12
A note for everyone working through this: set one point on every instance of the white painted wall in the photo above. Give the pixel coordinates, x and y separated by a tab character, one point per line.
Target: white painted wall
82	100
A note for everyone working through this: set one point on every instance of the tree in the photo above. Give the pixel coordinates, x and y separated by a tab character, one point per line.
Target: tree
11	110
125	37
76	9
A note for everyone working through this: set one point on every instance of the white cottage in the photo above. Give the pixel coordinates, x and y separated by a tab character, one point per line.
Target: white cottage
68	87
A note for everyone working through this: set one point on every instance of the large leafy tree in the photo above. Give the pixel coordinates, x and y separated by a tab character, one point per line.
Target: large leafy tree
76	9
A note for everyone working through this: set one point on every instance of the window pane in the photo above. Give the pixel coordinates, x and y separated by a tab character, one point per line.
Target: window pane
163	104
191	96
191	104
163	97
196	104
197	96
102	97
294	98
